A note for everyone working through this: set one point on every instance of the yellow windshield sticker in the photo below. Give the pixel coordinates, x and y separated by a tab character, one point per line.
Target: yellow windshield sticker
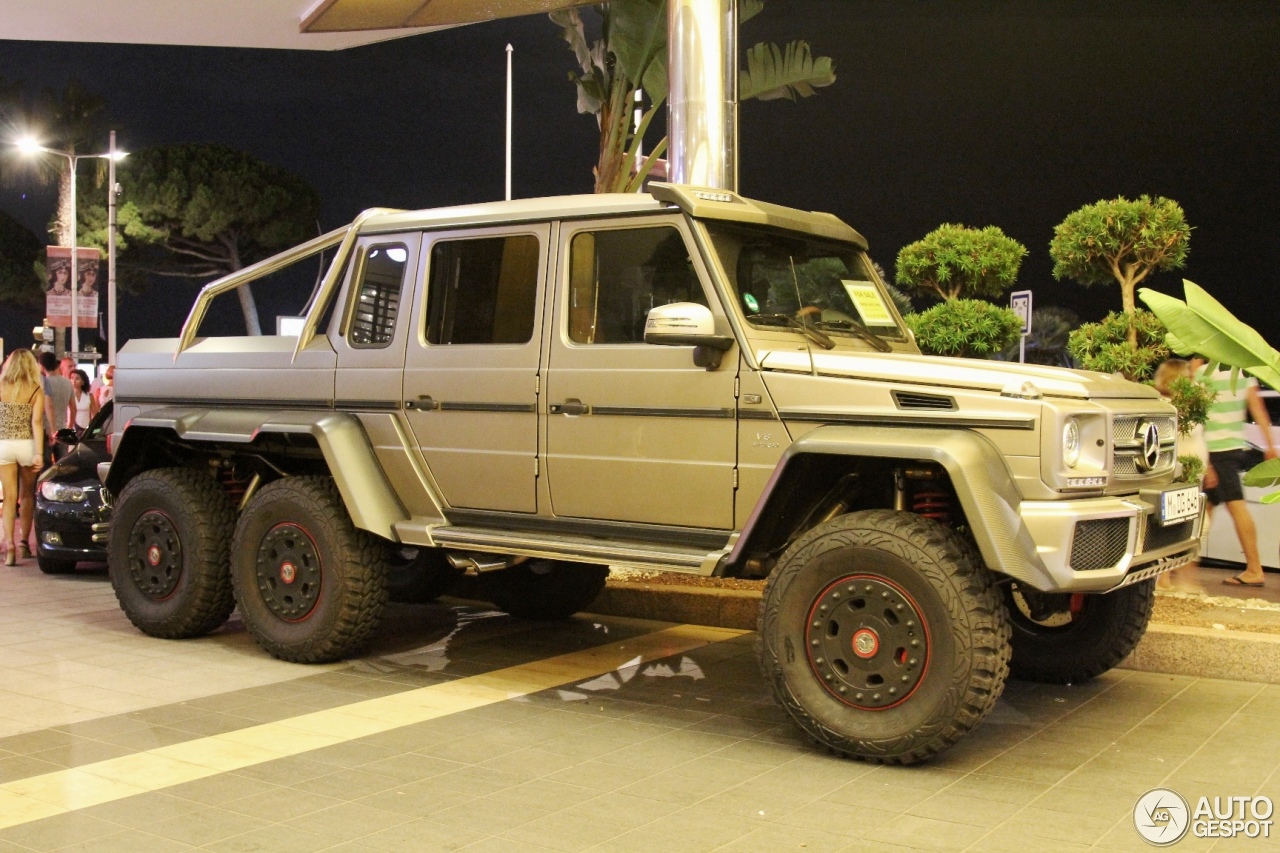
870	304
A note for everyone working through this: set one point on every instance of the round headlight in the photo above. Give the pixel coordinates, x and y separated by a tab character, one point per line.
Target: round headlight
61	492
1071	443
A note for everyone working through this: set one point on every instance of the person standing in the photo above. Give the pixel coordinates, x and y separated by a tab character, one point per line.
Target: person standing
1228	458
21	440
57	396
83	407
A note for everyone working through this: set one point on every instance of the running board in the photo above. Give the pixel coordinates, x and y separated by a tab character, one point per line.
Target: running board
580	549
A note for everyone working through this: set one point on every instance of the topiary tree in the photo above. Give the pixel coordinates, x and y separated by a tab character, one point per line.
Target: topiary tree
1122	241
1051	328
970	328
1129	344
954	261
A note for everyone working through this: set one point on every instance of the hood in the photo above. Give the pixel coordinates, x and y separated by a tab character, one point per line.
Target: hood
946	372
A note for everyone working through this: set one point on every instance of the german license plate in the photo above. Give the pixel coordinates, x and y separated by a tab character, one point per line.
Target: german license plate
1179	504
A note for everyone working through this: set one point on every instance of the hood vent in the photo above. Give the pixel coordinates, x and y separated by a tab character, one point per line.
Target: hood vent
924	402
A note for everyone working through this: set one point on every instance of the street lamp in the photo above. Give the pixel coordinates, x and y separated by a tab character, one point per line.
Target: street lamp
29	145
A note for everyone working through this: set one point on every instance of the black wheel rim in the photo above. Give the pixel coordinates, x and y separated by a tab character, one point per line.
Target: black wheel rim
288	570
867	642
155	555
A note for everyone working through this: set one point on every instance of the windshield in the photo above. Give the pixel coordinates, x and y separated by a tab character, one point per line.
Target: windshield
779	277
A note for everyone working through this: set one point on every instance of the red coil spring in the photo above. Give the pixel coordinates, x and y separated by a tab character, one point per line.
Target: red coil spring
932	503
234	487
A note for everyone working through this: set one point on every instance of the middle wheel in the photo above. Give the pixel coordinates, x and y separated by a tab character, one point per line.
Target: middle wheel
310	586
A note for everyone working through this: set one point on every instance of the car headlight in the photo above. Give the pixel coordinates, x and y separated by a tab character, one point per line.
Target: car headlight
1071	443
62	493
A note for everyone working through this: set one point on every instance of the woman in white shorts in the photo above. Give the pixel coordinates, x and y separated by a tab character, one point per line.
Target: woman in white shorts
21	443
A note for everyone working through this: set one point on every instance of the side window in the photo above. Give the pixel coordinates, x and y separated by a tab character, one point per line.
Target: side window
617	277
483	291
377	300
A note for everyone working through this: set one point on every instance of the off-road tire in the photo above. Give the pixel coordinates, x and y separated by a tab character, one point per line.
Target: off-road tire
297	531
419	575
182	588
544	589
1102	634
861	567
50	566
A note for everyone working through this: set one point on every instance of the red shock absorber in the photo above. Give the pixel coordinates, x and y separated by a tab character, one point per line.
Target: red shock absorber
932	503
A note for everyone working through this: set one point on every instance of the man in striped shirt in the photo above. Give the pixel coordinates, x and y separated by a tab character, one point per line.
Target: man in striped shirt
1228	458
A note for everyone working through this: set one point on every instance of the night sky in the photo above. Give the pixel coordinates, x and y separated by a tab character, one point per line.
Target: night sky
986	113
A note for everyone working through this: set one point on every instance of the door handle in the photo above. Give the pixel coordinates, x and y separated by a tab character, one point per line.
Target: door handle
424	403
572	406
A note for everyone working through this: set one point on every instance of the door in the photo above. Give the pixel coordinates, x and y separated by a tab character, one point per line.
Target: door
471	372
635	432
371	333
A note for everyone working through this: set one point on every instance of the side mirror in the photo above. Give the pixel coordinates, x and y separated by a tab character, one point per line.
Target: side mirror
687	324
67	436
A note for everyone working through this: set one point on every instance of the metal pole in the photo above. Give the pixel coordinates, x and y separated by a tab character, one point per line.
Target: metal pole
510	51
703	108
75	265
111	250
1022	349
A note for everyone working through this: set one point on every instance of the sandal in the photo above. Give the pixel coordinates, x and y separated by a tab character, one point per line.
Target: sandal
10	558
1235	580
24	551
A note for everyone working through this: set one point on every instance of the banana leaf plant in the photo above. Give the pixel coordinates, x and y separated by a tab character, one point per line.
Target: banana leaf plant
631	55
1202	324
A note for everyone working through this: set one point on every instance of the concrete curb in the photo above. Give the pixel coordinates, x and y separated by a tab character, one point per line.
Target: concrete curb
1200	652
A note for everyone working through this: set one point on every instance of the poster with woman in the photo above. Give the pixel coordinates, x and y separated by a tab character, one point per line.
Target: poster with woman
59	288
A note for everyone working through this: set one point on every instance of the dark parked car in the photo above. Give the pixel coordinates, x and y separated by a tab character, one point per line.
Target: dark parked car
71	516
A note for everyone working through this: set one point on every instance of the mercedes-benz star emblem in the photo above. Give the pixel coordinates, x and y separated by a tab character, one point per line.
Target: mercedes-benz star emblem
1150	456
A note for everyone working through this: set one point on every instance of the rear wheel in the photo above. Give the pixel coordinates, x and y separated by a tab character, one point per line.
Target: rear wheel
1062	638
311	587
544	589
168	556
882	636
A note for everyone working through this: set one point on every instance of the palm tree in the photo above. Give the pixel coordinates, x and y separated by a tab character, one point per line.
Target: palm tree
71	121
631	55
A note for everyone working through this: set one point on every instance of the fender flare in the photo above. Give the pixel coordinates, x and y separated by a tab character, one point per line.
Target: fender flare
366	492
985	489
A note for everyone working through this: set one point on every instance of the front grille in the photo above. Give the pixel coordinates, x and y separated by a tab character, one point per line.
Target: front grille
1127	445
1099	544
1170	534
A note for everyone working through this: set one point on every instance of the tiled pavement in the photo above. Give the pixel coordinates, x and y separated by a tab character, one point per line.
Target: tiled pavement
684	754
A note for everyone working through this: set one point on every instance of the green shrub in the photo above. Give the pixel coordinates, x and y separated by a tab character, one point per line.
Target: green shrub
1105	346
970	328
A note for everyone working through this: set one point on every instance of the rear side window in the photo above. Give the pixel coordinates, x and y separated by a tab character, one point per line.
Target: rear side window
617	277
483	291
373	314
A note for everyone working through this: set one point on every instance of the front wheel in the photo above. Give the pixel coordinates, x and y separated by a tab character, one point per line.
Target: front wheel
311	587
1066	639
883	637
544	589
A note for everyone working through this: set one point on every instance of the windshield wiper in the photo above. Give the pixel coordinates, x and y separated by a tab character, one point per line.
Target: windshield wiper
791	322
858	330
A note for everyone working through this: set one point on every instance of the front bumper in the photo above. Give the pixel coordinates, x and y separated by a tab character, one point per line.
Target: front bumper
1100	544
66	531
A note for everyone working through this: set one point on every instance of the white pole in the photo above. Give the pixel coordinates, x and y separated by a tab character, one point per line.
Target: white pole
111	250
75	266
638	117
510	51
